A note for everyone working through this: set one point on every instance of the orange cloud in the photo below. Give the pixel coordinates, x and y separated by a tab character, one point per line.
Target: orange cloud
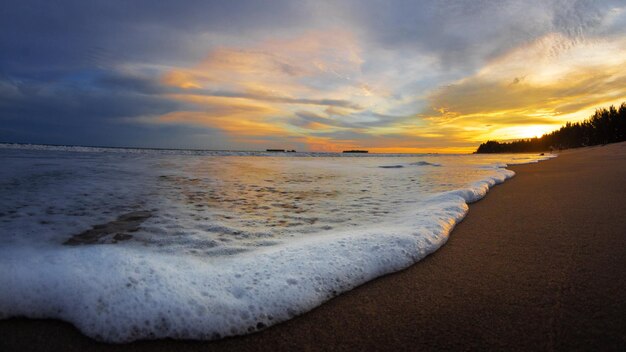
275	67
257	90
180	79
533	89
244	118
310	88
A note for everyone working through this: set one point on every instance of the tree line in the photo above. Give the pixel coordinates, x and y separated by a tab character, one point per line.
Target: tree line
603	127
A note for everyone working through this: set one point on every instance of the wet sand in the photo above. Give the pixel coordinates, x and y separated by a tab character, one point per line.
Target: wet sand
539	264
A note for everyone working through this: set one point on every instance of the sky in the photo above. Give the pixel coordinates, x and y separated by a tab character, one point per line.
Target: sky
386	76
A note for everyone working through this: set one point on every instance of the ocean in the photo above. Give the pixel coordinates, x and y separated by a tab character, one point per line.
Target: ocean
131	244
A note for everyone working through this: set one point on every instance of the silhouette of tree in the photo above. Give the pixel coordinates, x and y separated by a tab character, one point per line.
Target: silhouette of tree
603	127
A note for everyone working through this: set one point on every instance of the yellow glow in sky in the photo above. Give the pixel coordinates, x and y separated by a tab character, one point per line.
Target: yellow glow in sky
314	89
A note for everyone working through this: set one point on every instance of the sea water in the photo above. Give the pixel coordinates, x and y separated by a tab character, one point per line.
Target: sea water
132	244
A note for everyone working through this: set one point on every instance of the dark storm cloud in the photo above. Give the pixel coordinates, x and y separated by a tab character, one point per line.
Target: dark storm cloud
268	98
118	82
79	113
52	37
77	103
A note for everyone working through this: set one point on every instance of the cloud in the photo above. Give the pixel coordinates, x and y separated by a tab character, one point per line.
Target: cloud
464	34
70	34
71	114
310	120
316	74
562	80
36	100
272	86
262	96
133	83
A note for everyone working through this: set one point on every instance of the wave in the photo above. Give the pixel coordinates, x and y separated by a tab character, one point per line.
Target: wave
120	292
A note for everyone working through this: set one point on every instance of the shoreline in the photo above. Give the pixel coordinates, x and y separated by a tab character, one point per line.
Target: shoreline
556	283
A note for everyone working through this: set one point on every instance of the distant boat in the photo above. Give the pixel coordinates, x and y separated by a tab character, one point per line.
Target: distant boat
280	150
355	151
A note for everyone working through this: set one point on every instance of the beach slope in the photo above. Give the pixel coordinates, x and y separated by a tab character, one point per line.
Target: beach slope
539	264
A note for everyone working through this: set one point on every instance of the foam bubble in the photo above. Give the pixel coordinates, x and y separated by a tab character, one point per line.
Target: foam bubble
218	245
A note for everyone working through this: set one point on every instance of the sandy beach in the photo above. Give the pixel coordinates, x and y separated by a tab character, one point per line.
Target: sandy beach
539	264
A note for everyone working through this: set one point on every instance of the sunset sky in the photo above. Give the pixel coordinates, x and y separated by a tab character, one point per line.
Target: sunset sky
387	76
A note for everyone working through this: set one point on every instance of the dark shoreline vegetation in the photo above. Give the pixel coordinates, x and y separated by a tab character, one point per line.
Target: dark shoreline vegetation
603	127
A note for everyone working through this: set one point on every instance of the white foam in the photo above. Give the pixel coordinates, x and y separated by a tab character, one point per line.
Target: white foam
170	284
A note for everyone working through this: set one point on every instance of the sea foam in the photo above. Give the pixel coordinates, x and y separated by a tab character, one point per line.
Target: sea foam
232	245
